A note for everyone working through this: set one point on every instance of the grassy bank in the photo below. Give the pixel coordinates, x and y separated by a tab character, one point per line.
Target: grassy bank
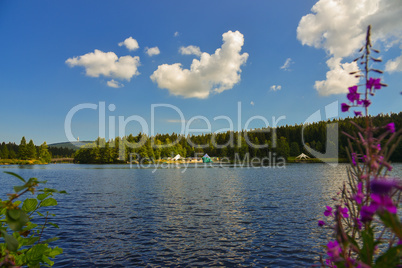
20	162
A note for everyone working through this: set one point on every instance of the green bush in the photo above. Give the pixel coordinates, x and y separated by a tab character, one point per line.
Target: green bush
20	232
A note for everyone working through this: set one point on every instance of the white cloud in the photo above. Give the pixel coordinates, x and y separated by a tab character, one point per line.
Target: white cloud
338	78
394	65
252	103
176	34
190	50
276	87
130	43
339	27
107	64
286	65
152	51
115	84
211	74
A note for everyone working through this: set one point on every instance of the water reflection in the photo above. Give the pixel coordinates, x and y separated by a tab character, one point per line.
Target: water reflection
119	217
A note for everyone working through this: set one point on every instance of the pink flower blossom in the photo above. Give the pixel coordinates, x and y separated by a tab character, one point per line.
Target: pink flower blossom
328	212
333	249
344	107
359	195
391	127
374	82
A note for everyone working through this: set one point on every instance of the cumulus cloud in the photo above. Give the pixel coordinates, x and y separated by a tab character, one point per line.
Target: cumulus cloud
152	51
211	74
190	50
176	34
394	65
276	87
107	64
338	78
130	43
286	65
252	103
339	27
115	84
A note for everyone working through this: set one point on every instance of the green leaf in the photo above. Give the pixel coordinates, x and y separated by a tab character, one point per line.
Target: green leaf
14	214
49	190
19	188
11	242
48	202
367	252
35	253
54	252
46	260
16	219
29	241
40	214
29	204
390	258
47	241
40	197
54	225
391	220
30	226
15	175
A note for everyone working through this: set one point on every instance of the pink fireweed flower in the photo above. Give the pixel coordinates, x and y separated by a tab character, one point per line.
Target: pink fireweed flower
358	223
328	211
333	250
382	186
344	107
359	195
353	95
354	157
321	223
344	212
329	263
391	127
367	213
358	113
374	82
366	103
383	202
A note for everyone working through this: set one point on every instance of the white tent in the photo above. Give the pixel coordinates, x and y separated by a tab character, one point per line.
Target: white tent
302	156
177	157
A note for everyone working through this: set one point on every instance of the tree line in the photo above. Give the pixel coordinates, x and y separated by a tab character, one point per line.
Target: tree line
285	141
25	151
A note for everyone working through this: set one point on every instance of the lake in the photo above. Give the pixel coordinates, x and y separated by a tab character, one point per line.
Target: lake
117	216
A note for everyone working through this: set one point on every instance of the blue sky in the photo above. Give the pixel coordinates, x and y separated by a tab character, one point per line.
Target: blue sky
133	54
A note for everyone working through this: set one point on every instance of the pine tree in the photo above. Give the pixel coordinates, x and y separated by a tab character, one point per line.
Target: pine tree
4	151
22	149
31	150
44	154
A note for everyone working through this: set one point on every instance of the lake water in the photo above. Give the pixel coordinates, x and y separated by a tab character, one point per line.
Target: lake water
117	216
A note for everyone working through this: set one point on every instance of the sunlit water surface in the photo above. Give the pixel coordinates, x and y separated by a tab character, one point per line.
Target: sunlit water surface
117	216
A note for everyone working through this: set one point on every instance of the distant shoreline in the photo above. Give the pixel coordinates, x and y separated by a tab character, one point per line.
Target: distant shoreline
290	160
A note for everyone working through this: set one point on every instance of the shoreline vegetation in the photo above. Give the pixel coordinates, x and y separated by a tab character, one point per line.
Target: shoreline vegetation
268	143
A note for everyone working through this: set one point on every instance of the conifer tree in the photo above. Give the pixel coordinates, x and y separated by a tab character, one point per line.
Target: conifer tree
44	154
31	150
22	149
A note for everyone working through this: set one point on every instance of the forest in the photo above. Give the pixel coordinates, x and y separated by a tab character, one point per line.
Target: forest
285	141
